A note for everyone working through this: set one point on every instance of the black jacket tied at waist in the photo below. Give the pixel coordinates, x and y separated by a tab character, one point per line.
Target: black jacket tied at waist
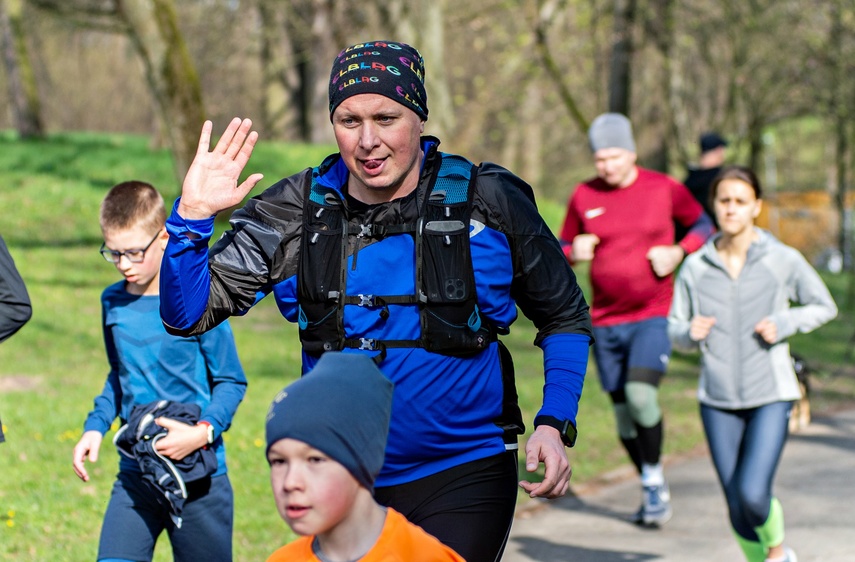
138	437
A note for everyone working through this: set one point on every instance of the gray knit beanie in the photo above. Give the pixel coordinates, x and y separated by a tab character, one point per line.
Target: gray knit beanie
342	408
611	130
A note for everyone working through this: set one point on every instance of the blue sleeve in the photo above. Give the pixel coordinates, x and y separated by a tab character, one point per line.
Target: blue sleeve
565	361
185	281
108	403
228	382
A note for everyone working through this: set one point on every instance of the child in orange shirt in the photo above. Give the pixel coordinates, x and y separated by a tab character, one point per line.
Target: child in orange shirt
326	437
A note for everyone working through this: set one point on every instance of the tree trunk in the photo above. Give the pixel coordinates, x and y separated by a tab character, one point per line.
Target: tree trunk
545	15
282	107
431	44
841	144
320	54
620	68
662	28
170	73
24	97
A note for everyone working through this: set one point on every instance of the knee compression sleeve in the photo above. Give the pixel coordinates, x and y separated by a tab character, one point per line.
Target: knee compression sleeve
753	550
771	533
642	400
625	425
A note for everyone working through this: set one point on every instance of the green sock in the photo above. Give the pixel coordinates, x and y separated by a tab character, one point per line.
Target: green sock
771	533
754	551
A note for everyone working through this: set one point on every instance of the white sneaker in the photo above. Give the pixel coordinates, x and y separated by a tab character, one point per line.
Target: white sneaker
656	507
789	556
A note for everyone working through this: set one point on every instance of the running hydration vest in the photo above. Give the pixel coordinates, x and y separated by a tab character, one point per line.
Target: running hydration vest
451	323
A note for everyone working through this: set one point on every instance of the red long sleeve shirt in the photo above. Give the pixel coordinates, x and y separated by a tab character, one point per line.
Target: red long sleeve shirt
629	221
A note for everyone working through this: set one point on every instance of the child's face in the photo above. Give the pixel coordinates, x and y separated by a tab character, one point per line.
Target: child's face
142	277
313	492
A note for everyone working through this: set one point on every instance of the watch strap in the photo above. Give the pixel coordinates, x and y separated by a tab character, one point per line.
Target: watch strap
209	428
565	427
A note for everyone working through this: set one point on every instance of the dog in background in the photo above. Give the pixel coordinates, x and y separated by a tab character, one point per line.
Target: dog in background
800	414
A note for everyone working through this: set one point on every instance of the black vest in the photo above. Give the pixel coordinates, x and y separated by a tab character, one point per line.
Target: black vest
451	323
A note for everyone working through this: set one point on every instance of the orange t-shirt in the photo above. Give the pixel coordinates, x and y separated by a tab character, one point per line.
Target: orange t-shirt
399	541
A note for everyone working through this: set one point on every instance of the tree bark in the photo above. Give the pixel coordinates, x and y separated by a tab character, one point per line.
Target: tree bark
23	94
170	74
545	15
841	144
620	68
283	110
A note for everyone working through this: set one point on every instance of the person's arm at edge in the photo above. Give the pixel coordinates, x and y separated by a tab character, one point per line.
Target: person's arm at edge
15	306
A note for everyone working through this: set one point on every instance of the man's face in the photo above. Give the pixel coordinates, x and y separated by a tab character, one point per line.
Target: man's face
313	492
379	141
615	166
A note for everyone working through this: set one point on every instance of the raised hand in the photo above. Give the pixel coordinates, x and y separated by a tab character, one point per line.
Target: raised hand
211	183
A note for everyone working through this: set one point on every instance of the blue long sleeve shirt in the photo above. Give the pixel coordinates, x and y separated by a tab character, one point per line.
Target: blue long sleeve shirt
147	364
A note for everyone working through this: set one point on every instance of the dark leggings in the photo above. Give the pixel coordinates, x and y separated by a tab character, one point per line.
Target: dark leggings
469	507
136	516
746	446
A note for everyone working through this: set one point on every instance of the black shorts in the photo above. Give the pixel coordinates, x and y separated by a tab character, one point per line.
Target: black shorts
468	507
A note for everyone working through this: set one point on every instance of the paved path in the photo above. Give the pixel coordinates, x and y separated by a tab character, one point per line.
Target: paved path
815	482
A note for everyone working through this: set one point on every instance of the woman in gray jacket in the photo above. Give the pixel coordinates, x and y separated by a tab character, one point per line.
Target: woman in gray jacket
732	301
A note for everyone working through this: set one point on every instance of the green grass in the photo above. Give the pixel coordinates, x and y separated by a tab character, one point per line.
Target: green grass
49	372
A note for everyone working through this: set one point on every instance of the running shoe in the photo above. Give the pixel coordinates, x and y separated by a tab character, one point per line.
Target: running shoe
789	556
656	509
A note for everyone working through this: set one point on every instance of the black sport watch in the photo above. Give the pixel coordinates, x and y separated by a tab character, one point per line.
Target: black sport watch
564	427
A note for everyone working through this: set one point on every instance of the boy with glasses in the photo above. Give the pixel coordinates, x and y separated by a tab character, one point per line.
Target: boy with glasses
174	476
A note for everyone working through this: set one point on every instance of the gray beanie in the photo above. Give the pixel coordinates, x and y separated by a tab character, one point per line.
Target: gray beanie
342	408
611	130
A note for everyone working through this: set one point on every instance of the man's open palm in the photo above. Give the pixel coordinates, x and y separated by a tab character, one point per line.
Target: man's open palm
211	183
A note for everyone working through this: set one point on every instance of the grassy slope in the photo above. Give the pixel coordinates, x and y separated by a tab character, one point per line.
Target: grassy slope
52	369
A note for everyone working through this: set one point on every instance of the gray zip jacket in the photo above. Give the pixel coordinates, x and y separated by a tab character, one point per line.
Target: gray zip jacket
738	369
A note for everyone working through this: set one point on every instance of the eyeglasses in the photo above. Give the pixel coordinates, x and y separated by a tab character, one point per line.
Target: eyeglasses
136	255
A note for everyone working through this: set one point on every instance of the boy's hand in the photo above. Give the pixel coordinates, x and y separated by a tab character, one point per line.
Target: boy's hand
211	183
545	446
182	438
89	444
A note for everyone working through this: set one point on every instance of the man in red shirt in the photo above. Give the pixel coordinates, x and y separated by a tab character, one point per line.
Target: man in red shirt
622	221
